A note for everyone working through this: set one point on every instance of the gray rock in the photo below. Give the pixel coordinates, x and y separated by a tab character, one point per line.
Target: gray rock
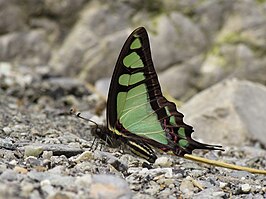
153	188
63	8
12	17
57	149
9	175
47	187
7	143
233	53
210	193
29	48
58	87
111	187
187	187
211	16
63	194
89	47
177	80
33	161
7	130
84	181
230	106
54	179
86	155
177	40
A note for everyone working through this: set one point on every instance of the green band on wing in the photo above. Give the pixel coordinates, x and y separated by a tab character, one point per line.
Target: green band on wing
181	133
138	117
133	61
183	143
121	98
172	118
127	80
135	44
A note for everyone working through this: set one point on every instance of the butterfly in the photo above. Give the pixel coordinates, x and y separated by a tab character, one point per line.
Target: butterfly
138	114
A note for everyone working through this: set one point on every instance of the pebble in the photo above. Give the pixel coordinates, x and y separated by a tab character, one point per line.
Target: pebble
47	154
27	188
86	155
62	195
217	194
47	187
186	187
153	188
20	170
163	161
84	181
7	130
13	162
165	193
9	175
222	185
245	188
33	151
109	187
33	161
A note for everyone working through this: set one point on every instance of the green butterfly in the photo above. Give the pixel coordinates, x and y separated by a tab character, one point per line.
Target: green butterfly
137	112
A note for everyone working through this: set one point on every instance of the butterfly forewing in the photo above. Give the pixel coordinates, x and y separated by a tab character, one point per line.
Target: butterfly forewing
136	109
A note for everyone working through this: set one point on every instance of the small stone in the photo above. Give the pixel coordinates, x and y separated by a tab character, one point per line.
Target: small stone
7	130
26	188
222	185
33	151
13	162
20	170
169	173
245	188
197	173
9	175
186	186
168	182
108	186
47	155
33	161
218	194
47	187
83	181
20	128
2	168
165	193
62	195
87	155
163	161
45	182
153	188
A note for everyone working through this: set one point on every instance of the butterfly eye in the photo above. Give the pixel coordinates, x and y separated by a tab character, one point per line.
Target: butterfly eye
98	130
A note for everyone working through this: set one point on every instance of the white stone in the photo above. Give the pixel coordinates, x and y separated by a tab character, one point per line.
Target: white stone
163	161
245	188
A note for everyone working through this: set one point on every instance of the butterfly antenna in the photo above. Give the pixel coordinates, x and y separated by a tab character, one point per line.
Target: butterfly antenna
72	111
77	114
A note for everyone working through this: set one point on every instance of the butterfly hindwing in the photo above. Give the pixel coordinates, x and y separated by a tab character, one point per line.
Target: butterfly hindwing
136	109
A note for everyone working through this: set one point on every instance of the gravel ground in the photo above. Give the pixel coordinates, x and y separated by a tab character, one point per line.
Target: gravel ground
46	153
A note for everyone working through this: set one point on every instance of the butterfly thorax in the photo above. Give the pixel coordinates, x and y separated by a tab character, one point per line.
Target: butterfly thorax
104	134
